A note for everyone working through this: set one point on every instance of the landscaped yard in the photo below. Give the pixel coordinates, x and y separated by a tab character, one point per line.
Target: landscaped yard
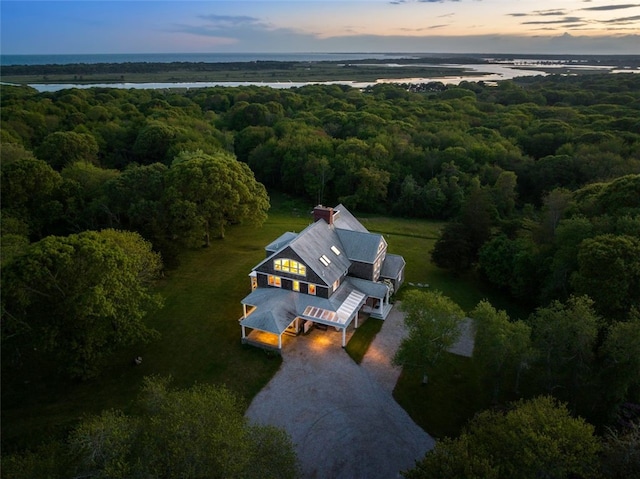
200	336
450	398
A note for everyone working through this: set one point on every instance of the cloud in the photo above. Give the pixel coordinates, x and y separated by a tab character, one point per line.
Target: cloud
431	27
540	13
623	20
612	7
226	21
227	29
554	22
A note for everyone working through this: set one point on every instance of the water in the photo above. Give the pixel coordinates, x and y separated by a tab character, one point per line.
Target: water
6	60
473	73
488	72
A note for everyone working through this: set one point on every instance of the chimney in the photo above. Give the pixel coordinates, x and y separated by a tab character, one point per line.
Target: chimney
323	212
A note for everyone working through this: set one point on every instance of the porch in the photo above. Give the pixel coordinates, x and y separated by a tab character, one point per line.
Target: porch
380	312
317	338
267	341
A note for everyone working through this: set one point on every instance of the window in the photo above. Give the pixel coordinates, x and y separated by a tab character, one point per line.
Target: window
289	266
335	250
295	285
376	269
312	289
336	284
275	281
324	260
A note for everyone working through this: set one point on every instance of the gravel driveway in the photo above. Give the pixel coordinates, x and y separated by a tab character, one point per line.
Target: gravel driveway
341	416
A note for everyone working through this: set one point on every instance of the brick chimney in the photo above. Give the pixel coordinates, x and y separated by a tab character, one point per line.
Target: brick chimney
323	212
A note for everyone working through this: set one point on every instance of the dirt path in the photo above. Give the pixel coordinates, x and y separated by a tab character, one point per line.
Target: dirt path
341	416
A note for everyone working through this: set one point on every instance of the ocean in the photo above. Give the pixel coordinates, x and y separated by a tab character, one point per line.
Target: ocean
6	60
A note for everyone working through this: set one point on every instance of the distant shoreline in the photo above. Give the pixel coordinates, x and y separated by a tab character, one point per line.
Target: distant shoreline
67	59
289	73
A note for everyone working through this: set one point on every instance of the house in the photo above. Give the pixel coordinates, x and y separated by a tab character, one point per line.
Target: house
323	276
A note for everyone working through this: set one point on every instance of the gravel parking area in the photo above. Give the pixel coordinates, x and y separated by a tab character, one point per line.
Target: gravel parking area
341	416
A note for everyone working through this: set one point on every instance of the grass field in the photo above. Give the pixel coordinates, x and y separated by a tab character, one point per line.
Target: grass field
200	336
450	398
300	72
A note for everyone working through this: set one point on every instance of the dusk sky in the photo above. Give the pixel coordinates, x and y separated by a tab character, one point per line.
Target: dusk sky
268	26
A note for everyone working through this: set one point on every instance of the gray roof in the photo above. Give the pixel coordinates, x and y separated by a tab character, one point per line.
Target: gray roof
343	219
392	265
281	242
277	308
360	246
370	288
313	242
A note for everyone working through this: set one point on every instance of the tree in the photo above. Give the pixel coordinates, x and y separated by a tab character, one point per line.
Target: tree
433	324
496	259
458	246
453	249
196	433
504	193
30	193
87	207
513	264
137	200
568	236
609	272
211	192
621	453
565	335
454	459
555	204
502	347
80	297
370	189
65	147
535	438
620	374
153	143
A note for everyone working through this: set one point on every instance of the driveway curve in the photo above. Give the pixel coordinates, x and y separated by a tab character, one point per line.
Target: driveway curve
342	417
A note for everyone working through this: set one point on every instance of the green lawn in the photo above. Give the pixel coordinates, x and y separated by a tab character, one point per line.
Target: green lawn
361	340
200	335
452	395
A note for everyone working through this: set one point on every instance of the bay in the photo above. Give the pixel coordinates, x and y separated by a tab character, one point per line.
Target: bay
6	60
473	73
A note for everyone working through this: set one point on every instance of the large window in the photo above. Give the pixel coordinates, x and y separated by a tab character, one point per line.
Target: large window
289	266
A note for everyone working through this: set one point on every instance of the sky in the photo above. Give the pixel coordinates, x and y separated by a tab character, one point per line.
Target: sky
271	26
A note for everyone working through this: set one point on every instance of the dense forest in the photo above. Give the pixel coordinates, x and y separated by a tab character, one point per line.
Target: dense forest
538	180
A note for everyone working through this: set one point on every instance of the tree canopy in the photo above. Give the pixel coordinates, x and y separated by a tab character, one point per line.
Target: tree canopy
80	297
534	438
194	433
433	324
210	192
